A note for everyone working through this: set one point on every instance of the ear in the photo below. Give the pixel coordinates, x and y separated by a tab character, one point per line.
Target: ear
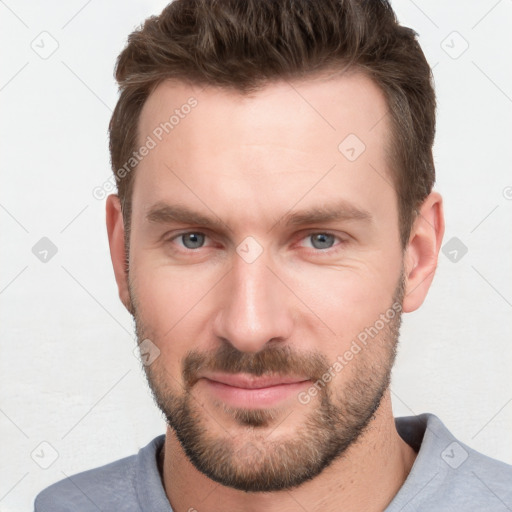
115	229
422	251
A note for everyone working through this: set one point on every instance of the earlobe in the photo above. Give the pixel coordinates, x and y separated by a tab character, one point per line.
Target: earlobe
422	251
115	229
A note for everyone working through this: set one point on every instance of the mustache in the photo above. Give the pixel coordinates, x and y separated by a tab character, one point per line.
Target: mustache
280	360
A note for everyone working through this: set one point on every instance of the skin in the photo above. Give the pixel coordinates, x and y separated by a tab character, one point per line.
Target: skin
248	161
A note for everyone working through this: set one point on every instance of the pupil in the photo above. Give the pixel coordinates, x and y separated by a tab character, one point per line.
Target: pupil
322	241
193	240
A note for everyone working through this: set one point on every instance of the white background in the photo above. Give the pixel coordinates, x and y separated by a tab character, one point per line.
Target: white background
68	374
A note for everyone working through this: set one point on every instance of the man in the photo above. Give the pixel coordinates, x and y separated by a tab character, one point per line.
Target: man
274	218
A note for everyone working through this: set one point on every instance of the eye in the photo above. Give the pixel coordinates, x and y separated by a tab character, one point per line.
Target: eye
320	241
192	239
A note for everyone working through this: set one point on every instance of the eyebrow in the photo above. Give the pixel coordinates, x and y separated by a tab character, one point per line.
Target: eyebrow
162	213
326	213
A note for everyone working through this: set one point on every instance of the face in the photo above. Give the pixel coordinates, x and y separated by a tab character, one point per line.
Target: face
265	264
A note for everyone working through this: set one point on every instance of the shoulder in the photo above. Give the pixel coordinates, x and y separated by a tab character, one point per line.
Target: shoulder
448	474
90	490
474	477
112	486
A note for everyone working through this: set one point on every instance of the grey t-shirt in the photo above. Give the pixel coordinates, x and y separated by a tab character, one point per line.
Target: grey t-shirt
446	476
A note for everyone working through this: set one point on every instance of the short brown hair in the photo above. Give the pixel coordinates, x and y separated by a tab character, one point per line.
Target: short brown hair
246	44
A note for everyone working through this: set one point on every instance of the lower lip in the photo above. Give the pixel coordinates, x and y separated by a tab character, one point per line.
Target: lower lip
254	398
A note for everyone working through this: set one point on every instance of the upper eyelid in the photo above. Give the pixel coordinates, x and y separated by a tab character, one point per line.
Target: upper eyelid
175	236
340	238
172	235
301	235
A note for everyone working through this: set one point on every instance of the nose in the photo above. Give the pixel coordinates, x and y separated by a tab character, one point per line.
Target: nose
254	308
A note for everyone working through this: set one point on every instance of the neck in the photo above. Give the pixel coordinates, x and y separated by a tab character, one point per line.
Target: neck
379	461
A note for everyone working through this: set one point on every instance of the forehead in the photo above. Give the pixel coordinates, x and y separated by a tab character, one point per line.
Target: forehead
301	140
333	105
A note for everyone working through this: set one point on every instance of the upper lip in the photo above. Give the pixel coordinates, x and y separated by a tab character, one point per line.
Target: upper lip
248	381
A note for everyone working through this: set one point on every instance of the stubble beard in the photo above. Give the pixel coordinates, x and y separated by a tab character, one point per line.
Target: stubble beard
257	459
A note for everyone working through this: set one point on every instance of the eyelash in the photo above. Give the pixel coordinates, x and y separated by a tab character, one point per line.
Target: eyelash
329	250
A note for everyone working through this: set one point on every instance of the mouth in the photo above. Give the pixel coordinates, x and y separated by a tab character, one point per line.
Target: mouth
249	391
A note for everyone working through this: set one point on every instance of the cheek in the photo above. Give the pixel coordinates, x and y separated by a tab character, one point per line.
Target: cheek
347	299
172	305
